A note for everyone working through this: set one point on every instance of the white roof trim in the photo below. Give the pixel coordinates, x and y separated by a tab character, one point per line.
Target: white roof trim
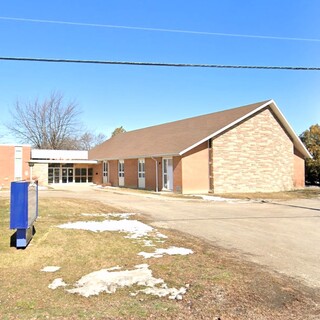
65	161
224	128
43	154
297	142
14	145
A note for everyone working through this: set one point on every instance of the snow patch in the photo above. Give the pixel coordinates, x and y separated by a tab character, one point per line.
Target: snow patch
50	269
161	236
135	228
148	243
114	215
173	293
215	198
56	283
106	281
171	251
103	280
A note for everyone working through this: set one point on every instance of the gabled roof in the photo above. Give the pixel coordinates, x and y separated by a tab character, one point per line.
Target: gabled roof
178	137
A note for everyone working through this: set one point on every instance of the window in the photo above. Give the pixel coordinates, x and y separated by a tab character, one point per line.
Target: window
141	168
18	163
80	175
121	168
83	175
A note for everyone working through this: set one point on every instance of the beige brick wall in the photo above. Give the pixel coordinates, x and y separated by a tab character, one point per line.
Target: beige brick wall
40	173
254	156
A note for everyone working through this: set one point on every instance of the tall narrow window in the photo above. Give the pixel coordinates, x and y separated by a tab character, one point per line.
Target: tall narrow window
167	174
141	174
121	169
105	171
141	168
121	173
18	163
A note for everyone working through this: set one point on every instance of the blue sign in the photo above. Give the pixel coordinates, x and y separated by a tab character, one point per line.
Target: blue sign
23	210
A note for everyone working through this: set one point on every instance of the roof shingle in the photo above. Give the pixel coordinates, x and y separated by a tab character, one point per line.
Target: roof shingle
169	138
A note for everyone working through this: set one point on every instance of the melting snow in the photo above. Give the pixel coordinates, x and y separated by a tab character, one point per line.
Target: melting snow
160	252
105	281
56	283
165	291
114	215
109	280
50	269
214	198
148	243
160	235
136	228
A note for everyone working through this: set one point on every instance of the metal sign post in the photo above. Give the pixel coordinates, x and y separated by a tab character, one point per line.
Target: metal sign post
23	210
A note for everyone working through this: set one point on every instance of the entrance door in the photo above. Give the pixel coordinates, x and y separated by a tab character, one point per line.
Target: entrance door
167	174
67	175
105	172
141	174
121	173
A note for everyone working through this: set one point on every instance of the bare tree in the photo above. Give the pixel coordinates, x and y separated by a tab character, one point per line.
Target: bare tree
50	124
89	140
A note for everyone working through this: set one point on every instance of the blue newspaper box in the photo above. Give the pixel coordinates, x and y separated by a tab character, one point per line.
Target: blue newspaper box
23	210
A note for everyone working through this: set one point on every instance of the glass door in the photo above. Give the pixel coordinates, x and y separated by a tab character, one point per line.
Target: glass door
141	174
67	175
121	173
167	174
105	168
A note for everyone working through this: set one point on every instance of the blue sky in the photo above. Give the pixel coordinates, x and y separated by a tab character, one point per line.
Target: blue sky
135	96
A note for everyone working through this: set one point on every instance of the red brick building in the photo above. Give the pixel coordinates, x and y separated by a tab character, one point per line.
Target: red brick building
20	162
14	163
247	149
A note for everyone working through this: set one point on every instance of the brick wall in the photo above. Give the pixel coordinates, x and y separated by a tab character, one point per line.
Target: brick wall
177	174
254	156
299	170
40	173
97	173
7	163
131	173
195	168
113	173
150	167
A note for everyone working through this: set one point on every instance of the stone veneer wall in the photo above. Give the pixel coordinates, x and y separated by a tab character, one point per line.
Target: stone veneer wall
40	173
254	156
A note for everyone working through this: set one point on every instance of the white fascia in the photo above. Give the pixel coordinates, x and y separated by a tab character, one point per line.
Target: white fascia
297	142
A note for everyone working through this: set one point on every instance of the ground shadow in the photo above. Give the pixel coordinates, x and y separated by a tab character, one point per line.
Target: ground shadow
13	240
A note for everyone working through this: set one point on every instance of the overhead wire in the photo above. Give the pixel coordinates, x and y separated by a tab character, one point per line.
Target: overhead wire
160	64
208	33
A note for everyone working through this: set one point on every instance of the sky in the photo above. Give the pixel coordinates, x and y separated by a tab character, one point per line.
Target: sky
282	33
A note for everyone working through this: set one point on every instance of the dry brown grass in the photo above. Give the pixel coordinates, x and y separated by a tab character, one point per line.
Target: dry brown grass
306	193
221	284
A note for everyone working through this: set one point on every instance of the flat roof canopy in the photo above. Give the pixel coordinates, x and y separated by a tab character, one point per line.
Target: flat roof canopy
64	161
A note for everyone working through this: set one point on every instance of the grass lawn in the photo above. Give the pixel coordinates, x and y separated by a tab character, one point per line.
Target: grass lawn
306	193
220	283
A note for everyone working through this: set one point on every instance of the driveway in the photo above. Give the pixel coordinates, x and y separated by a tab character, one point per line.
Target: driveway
283	236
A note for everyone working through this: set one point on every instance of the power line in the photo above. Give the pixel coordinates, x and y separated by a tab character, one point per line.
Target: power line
220	34
161	64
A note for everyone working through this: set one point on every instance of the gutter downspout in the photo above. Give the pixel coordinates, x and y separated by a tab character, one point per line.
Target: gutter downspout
156	161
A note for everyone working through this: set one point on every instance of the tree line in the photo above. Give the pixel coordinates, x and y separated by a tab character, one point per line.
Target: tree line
311	139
